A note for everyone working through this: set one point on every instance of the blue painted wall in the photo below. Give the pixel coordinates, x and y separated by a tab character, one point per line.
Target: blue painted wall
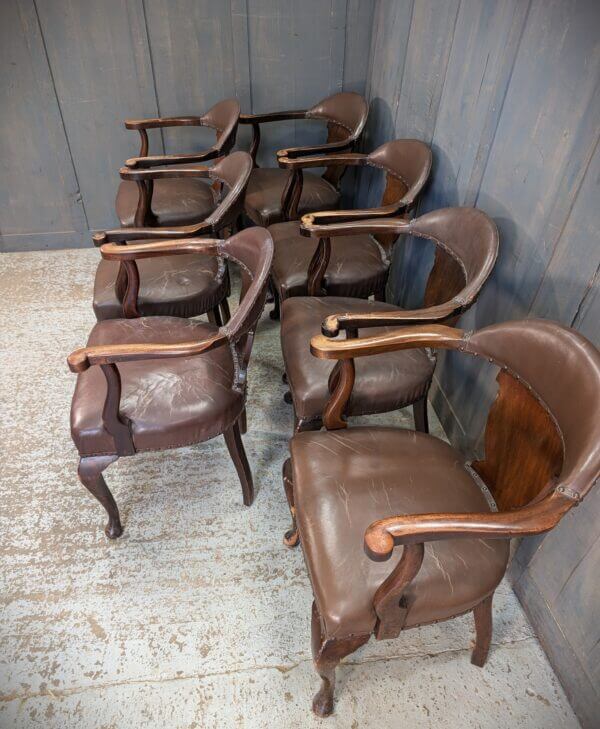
507	92
72	70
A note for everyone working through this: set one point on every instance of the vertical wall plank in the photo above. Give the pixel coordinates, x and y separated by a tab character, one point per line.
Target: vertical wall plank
100	63
193	59
302	71
357	44
39	195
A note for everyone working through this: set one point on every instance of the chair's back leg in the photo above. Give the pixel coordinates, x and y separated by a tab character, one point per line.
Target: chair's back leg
483	627
90	474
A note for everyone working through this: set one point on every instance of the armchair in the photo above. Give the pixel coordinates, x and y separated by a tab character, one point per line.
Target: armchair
466	242
273	194
177	200
354	265
165	284
154	383
383	488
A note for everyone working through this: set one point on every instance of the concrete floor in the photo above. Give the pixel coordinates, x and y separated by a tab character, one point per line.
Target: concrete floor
197	616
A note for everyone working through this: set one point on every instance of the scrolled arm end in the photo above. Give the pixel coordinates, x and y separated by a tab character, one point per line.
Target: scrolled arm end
378	543
78	360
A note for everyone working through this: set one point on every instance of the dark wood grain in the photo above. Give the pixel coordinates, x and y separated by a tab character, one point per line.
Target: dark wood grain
523	448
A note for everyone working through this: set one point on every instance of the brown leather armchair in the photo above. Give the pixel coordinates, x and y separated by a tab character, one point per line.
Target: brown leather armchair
273	194
177	200
389	487
466	248
172	285
355	265
154	383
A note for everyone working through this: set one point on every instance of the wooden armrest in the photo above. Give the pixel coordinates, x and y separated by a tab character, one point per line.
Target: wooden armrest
114	252
127	173
338	146
383	535
369	222
173	159
333	323
81	359
122	235
167	121
272	117
432	335
324	160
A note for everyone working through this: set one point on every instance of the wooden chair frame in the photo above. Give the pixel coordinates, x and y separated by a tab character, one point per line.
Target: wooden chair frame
237	334
225	128
223	219
340	138
523	473
448	295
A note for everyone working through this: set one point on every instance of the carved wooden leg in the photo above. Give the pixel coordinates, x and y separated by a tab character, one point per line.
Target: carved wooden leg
233	439
90	474
420	415
326	656
483	627
290	538
225	313
243	421
214	317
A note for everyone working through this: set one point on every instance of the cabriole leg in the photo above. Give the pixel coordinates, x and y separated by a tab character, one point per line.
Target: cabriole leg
290	538
483	627
90	474
233	439
326	656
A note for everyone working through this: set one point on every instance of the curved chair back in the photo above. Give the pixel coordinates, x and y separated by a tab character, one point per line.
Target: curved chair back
252	250
466	250
543	431
234	172
223	117
346	114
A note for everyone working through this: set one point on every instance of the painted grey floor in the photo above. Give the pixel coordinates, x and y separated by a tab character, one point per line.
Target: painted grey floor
197	616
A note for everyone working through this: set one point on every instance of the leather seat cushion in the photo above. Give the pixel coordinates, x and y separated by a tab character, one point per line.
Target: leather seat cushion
266	185
178	201
343	481
357	267
171	403
185	285
383	382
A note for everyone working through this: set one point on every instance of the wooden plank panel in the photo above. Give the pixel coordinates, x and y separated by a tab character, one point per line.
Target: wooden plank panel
390	34
358	26
100	63
575	260
39	191
296	58
193	60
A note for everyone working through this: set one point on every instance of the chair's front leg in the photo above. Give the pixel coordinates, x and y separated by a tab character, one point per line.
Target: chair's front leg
326	656
290	538
483	627
90	474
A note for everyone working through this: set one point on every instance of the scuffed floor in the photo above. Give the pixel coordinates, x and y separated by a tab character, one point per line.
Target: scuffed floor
197	616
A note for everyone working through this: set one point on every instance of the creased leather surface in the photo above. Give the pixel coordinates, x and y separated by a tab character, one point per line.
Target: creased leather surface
184	285
384	382
263	195
358	265
343	481
177	201
171	403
